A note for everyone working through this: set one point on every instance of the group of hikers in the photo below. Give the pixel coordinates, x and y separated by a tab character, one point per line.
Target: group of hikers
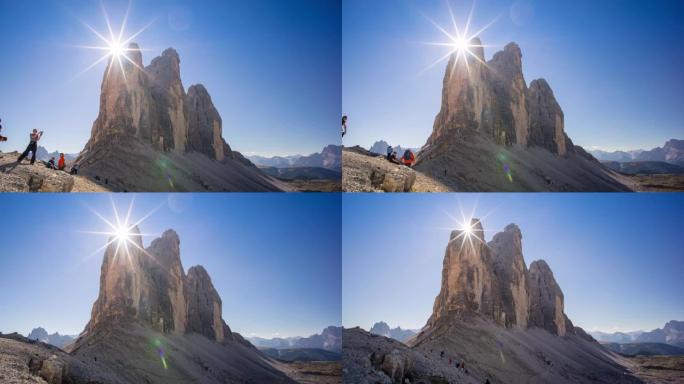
407	159
32	148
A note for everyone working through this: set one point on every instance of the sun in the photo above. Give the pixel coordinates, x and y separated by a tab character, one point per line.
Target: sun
459	41
122	231
115	45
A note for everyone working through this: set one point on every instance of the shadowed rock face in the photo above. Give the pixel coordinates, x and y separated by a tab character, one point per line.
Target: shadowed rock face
150	105
493	98
149	287
203	305
546	299
491	279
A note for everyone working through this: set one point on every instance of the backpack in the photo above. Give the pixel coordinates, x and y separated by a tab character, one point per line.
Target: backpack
407	155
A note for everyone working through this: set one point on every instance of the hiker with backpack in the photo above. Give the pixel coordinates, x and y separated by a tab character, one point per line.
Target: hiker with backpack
51	163
344	125
61	164
32	146
389	153
408	159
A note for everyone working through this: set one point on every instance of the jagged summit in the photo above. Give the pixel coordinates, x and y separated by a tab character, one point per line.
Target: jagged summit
493	132
491	279
150	135
493	98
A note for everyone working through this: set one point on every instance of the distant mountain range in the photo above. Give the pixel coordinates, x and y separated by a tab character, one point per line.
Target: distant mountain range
302	173
672	333
380	147
645	167
330	340
43	154
382	329
330	158
672	152
59	341
645	349
302	354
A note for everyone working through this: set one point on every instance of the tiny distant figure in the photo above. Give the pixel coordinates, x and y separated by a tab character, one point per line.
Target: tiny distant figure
344	125
74	169
441	355
488	382
32	147
2	138
51	163
61	164
389	153
408	159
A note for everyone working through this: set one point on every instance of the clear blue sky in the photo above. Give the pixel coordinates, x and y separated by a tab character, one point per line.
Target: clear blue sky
274	258
617	257
615	66
273	68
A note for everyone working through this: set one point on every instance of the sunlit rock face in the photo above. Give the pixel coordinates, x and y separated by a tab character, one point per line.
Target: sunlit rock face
149	287
467	276
122	281
510	269
493	98
492	280
149	104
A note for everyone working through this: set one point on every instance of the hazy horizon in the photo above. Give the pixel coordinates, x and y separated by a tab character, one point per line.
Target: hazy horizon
614	67
275	82
616	257
288	285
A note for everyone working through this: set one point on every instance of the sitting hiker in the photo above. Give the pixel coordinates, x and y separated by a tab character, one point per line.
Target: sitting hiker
74	169
51	163
389	153
61	164
408	159
393	158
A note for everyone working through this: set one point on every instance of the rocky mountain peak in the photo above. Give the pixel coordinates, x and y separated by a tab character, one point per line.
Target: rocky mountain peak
494	100
134	54
203	305
492	280
149	287
546	299
150	106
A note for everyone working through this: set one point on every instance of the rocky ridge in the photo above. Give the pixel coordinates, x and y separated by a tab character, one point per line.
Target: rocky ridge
494	133
146	297
492	280
150	135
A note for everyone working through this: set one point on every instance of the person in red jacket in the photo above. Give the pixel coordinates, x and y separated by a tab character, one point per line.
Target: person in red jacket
61	164
408	159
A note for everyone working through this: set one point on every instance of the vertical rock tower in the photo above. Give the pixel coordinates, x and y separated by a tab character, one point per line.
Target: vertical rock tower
492	98
149	286
150	104
492	280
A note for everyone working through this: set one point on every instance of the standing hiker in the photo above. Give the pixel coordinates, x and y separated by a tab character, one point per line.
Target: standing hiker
32	147
2	138
344	125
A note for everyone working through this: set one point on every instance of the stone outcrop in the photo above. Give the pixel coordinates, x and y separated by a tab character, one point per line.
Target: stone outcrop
203	305
149	287
150	104
546	299
492	280
493	98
